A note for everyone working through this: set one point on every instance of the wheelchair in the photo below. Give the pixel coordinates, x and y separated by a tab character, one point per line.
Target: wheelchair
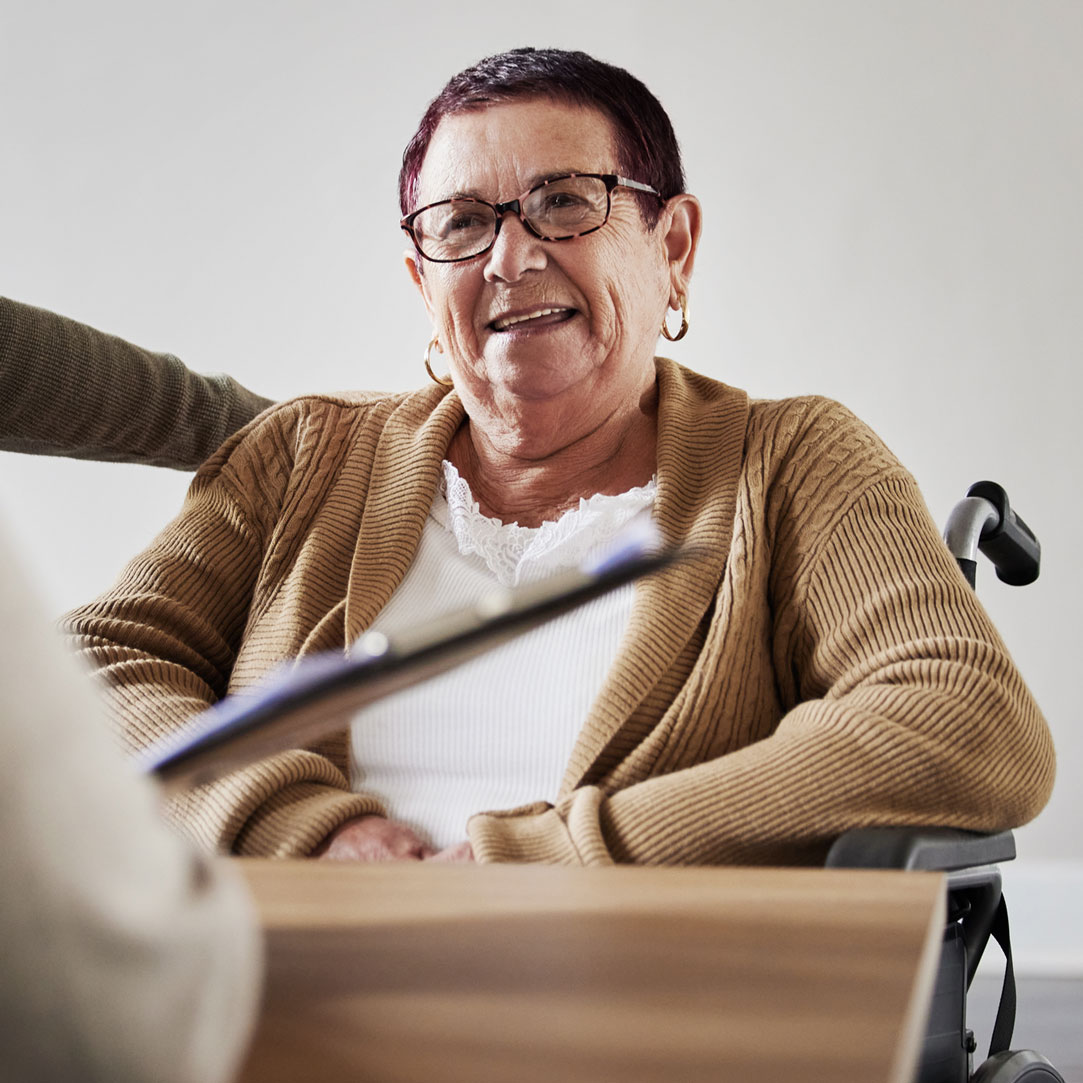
983	521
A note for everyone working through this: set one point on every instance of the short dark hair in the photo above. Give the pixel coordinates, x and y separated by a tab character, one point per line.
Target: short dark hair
646	144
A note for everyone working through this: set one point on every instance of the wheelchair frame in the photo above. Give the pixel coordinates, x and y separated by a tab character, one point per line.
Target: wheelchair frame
983	521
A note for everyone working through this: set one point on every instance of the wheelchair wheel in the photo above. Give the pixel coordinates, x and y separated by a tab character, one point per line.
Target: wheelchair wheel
1021	1066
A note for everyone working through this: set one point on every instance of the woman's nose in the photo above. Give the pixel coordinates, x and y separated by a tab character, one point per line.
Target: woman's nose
515	251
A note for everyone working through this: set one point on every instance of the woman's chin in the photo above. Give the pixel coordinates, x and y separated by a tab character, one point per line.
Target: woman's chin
517	375
536	390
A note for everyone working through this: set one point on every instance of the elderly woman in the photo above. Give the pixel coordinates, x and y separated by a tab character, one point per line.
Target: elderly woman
824	666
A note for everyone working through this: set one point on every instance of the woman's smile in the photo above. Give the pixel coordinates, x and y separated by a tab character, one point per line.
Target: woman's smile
529	320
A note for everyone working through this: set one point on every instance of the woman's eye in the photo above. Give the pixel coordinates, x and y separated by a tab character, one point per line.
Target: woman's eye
456	222
561	201
463	221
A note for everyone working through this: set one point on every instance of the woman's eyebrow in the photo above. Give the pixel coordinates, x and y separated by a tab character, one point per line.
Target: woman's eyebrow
538	178
541	178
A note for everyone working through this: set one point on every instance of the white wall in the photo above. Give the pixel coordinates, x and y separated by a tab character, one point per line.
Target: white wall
894	218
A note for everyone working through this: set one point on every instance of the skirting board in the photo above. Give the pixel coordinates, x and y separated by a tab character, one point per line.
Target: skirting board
1044	900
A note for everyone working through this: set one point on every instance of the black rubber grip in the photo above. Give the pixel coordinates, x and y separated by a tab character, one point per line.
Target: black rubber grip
1011	545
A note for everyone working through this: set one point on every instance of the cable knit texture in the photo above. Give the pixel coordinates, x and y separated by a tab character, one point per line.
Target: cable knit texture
822	665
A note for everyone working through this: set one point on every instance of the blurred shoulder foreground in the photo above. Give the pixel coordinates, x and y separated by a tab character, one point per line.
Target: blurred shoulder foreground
127	955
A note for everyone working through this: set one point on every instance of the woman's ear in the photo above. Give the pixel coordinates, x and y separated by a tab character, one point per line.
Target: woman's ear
683	221
413	268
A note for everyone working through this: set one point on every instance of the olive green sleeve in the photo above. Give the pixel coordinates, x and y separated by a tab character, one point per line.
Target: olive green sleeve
67	389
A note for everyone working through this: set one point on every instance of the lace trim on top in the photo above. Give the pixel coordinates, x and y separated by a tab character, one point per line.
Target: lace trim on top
518	554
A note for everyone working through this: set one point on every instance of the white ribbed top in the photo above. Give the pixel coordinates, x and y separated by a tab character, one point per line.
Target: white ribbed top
497	731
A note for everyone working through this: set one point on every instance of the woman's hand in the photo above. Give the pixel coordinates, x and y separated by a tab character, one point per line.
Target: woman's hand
461	851
375	838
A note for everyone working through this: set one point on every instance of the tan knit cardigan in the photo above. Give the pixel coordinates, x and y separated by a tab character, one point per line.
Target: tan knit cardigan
824	666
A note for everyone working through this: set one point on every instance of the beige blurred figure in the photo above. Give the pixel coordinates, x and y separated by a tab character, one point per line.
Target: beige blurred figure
125	954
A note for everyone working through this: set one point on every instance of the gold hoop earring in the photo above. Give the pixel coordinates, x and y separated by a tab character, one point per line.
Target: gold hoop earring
683	301
435	341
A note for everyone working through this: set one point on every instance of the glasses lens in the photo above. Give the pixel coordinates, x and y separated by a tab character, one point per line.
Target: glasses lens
457	229
567	207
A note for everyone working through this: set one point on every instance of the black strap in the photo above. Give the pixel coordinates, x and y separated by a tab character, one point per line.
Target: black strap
1005	1020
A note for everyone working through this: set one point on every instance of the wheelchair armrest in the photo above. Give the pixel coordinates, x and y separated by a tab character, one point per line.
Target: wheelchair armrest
931	848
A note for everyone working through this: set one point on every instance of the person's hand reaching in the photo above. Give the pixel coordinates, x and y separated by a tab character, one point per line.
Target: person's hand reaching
374	838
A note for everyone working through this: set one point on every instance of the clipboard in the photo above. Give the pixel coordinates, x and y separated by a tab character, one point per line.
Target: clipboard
301	701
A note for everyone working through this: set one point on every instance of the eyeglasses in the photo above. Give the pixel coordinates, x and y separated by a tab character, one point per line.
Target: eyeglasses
558	209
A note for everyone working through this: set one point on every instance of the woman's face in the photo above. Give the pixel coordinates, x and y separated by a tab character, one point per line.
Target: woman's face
586	311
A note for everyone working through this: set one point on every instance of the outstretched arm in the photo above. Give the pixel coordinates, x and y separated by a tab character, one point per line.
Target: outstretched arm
66	389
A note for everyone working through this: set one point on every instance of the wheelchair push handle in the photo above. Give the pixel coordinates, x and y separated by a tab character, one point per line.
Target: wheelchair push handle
985	521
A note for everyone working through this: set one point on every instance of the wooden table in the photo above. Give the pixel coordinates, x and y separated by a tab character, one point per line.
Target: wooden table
515	974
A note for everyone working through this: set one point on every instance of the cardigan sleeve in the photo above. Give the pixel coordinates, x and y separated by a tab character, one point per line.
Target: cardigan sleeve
66	389
909	711
165	639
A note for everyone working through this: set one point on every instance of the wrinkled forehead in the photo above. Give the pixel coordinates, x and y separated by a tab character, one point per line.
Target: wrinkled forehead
496	152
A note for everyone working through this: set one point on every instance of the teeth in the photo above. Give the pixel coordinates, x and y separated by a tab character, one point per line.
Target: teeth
504	324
